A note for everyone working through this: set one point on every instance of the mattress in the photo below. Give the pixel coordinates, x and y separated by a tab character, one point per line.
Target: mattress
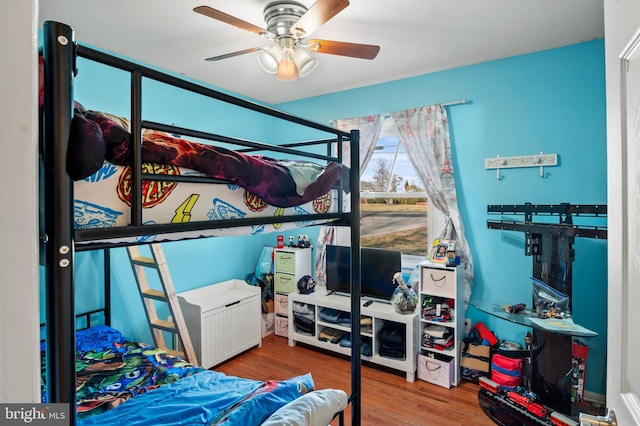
102	200
257	186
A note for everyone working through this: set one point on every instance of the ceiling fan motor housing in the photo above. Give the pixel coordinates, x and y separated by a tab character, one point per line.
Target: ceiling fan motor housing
280	16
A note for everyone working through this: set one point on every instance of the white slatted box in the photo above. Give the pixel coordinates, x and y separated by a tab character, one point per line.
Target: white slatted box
223	320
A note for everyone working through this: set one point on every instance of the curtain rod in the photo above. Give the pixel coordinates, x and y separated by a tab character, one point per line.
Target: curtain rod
445	104
458	102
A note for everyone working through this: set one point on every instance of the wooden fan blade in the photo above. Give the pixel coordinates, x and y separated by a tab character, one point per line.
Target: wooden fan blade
232	54
354	50
228	19
319	13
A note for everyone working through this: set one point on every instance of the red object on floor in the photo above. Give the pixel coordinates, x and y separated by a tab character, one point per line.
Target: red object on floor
485	333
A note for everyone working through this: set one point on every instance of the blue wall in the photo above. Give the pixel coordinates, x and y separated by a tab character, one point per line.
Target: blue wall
552	101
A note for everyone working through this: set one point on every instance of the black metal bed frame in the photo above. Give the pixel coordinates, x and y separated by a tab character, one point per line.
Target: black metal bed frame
59	237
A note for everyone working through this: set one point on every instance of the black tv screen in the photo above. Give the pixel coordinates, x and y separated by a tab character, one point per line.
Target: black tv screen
377	269
338	266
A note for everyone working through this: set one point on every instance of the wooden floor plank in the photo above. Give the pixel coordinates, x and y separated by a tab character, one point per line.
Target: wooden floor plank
387	398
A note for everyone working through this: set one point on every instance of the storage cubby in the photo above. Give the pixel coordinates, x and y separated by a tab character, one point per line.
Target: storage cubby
387	338
441	318
289	265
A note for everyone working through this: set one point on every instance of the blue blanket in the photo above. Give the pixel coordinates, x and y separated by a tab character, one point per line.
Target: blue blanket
206	398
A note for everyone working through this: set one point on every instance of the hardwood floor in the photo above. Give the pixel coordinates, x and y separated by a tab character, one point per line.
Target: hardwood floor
387	398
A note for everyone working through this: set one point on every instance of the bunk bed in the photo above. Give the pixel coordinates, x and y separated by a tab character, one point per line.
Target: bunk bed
62	236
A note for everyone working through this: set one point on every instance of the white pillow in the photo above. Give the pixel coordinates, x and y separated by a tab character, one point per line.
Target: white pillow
311	409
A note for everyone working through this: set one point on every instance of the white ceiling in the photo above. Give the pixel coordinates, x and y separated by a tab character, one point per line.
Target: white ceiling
416	37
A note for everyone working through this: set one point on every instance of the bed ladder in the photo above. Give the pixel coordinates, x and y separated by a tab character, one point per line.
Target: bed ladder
175	323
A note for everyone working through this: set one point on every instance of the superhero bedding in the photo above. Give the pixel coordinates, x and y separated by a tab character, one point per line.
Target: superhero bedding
119	381
257	186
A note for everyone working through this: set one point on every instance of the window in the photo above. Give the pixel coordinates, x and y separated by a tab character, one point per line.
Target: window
394	205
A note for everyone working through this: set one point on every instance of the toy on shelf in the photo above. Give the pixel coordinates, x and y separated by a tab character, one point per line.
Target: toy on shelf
403	299
303	241
514	309
549	302
443	251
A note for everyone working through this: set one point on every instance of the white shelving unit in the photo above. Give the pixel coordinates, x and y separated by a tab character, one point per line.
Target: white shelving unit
378	312
443	282
223	320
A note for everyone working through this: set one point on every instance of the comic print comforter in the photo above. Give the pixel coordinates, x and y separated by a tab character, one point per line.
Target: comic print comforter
97	136
256	187
103	200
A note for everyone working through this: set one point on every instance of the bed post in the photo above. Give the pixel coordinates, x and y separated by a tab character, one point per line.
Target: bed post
107	286
136	148
356	363
59	61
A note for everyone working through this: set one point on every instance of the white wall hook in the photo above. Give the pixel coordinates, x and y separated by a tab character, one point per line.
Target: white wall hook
541	160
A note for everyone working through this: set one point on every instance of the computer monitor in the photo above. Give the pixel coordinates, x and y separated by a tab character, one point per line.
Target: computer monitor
377	268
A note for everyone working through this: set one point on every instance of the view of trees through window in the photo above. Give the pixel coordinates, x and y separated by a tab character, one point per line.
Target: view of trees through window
393	201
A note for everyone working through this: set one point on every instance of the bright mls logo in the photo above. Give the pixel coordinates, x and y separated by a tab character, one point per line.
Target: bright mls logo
37	414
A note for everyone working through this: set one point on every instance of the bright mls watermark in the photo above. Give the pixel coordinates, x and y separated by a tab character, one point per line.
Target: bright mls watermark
34	414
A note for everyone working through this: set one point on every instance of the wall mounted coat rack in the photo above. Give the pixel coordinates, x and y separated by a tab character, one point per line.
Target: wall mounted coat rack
538	160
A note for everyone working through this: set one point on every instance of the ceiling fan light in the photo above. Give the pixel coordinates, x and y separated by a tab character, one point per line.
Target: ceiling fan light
270	58
287	69
305	62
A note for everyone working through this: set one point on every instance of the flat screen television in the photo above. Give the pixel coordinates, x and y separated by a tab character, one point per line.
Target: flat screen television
377	269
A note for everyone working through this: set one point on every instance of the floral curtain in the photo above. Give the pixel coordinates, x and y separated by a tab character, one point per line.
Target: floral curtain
369	127
424	132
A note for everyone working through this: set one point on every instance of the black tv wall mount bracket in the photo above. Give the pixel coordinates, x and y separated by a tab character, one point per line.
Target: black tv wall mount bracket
564	229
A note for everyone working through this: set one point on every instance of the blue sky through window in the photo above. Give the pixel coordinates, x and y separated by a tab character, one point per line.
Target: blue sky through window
403	166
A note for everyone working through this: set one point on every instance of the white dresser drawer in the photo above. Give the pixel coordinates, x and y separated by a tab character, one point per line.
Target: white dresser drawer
438	282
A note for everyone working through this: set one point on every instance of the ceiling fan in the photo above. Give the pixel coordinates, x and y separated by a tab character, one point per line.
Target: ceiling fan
288	24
